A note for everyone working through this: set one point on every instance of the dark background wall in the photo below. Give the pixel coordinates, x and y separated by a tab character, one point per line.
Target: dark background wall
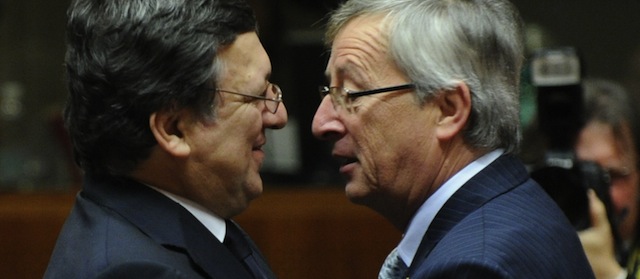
606	33
303	223
32	91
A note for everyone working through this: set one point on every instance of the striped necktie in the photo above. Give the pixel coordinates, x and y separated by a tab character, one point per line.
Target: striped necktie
393	267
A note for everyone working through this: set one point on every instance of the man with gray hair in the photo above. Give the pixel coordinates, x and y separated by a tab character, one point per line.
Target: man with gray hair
422	108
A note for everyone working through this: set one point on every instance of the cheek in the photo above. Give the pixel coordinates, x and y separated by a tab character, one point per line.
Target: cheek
230	140
624	194
243	127
382	152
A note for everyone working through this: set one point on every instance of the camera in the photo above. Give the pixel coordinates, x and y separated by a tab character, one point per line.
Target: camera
556	74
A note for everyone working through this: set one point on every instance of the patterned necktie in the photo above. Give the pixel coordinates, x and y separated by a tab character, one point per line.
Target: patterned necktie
393	267
237	243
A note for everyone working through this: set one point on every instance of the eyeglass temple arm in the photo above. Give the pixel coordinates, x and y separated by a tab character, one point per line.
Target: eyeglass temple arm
380	90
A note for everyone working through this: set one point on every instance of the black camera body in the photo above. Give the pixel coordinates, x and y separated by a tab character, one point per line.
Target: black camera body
557	76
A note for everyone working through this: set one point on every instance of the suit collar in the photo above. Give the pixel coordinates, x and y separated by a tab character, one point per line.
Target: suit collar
165	221
499	177
426	213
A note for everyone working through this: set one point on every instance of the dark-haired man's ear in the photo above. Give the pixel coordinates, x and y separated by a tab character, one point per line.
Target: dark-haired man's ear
166	130
455	109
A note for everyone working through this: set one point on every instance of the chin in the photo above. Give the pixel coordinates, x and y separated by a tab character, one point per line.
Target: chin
253	189
356	194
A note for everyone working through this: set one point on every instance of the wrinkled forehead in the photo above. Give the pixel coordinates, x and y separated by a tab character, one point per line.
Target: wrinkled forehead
359	48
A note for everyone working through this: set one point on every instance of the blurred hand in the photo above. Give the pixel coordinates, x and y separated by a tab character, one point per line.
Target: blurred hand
597	241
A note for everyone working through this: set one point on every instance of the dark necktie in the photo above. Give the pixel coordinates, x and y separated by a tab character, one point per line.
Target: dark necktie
236	241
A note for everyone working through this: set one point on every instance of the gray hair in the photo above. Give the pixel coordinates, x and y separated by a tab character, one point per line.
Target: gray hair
439	43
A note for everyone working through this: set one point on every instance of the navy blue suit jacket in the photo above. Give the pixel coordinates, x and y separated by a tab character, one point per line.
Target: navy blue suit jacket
119	228
500	224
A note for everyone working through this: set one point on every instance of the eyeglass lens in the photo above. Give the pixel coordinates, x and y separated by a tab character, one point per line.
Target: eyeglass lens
338	95
272	105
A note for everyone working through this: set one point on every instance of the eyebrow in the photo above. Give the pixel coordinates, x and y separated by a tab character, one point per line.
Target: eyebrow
352	71
340	72
327	76
267	78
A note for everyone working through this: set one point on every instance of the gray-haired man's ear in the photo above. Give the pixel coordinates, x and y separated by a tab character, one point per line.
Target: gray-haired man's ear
455	108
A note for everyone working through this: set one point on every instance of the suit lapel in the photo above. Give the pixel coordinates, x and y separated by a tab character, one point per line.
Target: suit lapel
502	175
166	222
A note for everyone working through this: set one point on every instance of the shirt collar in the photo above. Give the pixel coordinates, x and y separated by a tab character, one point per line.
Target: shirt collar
213	223
423	217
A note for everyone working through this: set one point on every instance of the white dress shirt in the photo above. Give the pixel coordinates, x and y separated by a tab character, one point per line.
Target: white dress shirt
213	223
423	217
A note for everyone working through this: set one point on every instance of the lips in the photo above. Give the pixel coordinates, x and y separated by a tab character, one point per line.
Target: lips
256	150
343	152
347	164
258	154
346	161
259	144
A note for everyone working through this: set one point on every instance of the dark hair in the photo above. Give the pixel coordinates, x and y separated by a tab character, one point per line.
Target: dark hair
609	103
129	58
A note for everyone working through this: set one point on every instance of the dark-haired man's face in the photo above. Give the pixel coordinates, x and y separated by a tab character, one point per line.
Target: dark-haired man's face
226	153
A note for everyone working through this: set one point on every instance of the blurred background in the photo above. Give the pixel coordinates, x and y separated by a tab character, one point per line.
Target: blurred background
303	223
34	153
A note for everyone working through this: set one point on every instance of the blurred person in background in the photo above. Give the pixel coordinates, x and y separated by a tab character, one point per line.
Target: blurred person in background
611	137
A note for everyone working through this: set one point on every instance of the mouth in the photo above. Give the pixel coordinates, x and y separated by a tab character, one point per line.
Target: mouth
345	155
347	164
347	160
257	151
257	146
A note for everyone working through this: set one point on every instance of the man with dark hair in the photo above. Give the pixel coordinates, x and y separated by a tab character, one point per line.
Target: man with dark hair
169	102
611	138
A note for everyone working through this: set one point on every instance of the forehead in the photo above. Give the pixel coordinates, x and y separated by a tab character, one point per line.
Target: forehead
359	47
244	62
597	142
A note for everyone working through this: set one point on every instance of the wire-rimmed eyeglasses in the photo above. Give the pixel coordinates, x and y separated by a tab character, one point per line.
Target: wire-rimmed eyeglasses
272	104
343	97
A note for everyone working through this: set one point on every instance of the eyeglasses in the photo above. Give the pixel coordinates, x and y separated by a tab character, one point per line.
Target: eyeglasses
272	104
343	97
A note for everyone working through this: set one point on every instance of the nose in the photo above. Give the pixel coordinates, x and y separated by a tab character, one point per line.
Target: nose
275	120
326	123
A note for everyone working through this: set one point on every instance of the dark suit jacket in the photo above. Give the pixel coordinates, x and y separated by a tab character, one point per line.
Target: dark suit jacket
500	224
119	228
